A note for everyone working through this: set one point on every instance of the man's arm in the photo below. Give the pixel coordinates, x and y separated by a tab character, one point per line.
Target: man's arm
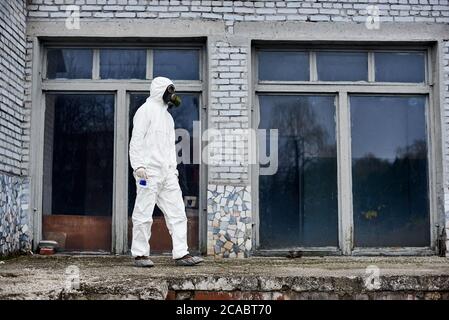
137	143
174	159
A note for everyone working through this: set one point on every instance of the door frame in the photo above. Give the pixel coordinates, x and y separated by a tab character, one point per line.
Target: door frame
120	88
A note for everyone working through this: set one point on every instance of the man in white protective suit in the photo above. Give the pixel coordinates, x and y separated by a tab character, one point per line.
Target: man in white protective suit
152	154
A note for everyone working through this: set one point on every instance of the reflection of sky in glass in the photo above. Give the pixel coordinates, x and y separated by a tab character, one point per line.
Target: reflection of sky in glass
399	66
342	66
176	64
382	125
283	65
123	64
389	171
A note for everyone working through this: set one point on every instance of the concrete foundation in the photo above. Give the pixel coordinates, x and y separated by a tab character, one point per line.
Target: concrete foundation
115	277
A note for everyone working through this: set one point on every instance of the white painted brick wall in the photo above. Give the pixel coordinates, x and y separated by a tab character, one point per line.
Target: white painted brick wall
311	10
12	81
228	111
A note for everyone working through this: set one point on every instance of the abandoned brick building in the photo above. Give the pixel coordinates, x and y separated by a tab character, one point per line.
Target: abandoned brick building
334	116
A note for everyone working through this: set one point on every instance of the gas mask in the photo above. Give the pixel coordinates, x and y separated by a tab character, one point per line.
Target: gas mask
170	97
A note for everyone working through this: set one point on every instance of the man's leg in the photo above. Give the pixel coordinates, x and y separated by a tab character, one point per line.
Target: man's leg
171	203
143	218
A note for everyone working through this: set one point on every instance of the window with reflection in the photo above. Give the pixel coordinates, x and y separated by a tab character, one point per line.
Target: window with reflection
342	66
400	66
69	63
298	204
390	199
283	65
389	171
79	163
123	63
179	64
79	154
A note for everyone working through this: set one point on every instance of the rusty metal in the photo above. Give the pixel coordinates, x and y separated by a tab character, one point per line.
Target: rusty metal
84	233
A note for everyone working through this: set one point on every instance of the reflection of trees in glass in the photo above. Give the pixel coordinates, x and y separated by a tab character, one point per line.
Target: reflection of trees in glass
298	203
390	198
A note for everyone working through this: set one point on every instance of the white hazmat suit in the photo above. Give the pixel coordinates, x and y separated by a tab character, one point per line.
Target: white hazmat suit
152	147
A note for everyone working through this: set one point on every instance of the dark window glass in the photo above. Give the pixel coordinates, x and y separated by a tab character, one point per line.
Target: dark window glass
79	154
123	63
184	118
400	66
298	204
283	65
342	66
389	171
176	64
69	63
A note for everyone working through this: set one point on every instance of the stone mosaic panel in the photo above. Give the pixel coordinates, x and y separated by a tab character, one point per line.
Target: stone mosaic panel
15	229
229	225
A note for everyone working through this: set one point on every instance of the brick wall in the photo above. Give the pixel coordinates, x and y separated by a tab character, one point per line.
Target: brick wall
229	110
15	233
12	79
229	11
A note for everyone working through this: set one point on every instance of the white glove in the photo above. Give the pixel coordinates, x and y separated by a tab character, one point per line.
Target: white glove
141	173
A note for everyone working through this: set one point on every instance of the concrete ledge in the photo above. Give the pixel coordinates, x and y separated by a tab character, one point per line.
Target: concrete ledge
114	277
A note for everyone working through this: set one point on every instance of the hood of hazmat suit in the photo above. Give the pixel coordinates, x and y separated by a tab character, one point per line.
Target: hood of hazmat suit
152	144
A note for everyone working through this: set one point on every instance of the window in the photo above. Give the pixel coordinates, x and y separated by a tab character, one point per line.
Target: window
283	65
80	154
389	170
342	66
298	204
177	64
115	63
123	64
91	95
69	63
78	170
382	200
400	66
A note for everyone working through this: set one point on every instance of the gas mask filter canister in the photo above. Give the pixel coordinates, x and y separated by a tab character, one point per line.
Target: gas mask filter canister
170	97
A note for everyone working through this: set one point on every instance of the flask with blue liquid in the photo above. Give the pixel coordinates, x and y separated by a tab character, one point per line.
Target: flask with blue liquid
143	183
